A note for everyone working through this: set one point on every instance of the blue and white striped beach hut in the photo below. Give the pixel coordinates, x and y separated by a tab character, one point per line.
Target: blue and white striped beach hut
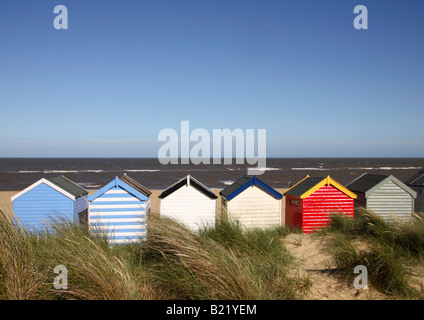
119	210
47	199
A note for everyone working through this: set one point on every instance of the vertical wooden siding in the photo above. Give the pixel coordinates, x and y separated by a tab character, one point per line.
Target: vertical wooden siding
319	205
119	215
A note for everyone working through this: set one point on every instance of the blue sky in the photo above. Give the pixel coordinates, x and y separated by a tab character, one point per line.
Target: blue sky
124	70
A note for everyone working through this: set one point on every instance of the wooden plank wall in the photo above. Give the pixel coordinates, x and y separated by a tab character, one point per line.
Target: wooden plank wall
255	208
390	201
323	202
119	215
40	204
190	207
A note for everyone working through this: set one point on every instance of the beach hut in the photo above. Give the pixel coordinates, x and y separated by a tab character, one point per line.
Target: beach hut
416	183
251	202
385	195
310	202
189	202
119	210
49	198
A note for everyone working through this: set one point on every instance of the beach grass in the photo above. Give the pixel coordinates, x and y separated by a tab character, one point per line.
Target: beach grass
20	278
222	261
173	263
391	251
406	237
94	272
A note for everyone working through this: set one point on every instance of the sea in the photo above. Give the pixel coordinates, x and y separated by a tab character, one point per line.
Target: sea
93	173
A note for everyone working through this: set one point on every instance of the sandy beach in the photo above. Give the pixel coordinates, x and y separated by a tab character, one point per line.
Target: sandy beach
6	203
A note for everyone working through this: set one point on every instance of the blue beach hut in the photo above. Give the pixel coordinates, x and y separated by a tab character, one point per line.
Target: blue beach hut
119	210
49	198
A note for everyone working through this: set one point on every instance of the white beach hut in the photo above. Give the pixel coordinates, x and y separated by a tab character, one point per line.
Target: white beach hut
252	203
189	202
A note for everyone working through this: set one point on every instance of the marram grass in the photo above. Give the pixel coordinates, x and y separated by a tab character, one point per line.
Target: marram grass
391	251
28	260
222	262
219	262
173	263
19	275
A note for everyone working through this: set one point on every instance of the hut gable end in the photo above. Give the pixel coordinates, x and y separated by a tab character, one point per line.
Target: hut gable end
385	195
188	181
245	182
119	211
389	201
189	202
43	195
310	203
47	199
255	208
251	202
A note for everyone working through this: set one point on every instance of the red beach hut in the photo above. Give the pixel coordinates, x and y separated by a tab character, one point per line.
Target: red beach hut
310	202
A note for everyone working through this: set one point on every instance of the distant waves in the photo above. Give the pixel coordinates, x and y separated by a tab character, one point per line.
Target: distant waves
19	173
357	168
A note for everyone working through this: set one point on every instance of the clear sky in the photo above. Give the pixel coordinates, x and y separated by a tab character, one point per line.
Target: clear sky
124	70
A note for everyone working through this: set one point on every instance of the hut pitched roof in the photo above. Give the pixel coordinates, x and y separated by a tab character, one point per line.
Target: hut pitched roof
309	185
118	183
137	186
243	183
69	186
61	184
417	179
188	180
366	183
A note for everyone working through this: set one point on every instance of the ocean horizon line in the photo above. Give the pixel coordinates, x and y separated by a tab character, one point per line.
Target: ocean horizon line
153	158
